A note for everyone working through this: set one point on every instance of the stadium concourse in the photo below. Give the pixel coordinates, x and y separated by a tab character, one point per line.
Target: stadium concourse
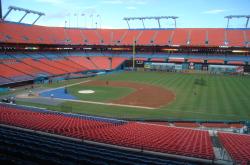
31	54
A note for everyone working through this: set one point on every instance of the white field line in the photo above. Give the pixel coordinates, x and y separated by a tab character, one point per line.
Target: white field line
102	103
69	85
93	102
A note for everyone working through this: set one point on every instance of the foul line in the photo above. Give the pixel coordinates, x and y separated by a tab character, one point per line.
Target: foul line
102	103
92	102
69	85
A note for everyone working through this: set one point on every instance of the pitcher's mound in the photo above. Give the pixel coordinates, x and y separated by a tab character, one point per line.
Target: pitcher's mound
86	91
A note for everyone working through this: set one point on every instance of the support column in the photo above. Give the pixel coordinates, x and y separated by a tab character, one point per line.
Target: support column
247	22
36	19
143	23
159	23
1	13
228	23
7	13
128	24
23	17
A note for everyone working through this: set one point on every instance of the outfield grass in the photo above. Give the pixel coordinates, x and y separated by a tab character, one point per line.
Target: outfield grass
220	98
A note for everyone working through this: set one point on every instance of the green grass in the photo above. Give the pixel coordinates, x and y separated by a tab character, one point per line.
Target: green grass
62	83
221	98
103	94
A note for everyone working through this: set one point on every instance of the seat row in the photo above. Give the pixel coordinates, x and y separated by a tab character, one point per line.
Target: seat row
179	141
19	145
17	33
238	146
28	68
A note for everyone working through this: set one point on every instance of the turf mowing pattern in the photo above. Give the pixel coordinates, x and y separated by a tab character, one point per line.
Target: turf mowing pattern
198	96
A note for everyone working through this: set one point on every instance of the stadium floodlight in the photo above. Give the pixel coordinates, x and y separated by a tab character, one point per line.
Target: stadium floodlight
27	11
237	16
158	18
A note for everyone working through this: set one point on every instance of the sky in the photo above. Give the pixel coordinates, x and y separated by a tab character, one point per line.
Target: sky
110	13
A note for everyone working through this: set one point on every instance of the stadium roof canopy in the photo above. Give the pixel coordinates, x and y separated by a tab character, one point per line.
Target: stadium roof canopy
237	16
158	18
27	11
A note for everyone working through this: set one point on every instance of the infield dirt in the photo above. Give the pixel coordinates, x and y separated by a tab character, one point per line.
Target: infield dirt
144	94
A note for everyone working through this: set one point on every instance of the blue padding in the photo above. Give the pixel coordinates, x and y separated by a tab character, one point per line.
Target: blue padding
58	93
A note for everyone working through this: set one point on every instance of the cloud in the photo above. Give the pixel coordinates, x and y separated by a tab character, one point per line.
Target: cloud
57	15
132	2
131	7
51	1
214	11
113	1
141	2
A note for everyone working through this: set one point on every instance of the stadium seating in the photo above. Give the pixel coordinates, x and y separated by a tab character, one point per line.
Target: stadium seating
158	59
235	125
215	61
215	125
237	146
34	55
180	37
171	140
91	37
83	61
186	124
197	37
117	35
58	35
117	61
74	66
9	72
17	146
176	60
158	123
8	61
247	39
196	60
101	62
59	65
42	66
26	69
146	37
131	36
105	36
13	74
216	37
141	59
49	64
10	35
33	34
5	81
163	37
75	36
236	62
235	38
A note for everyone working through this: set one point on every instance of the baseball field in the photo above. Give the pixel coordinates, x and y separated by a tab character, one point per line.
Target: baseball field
160	95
